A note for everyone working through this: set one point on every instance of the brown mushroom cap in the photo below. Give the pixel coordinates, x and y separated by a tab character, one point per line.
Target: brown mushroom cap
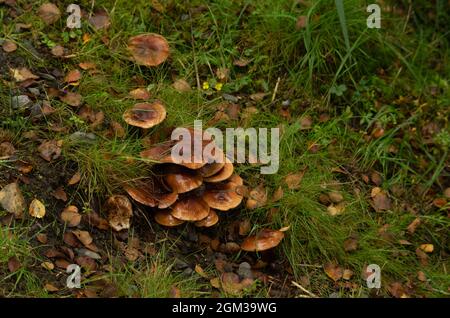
142	195
119	212
223	173
191	208
165	200
149	49
211	169
209	221
223	197
145	115
164	218
183	180
264	240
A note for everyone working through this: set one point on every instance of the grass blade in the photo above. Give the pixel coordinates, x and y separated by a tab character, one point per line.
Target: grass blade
342	20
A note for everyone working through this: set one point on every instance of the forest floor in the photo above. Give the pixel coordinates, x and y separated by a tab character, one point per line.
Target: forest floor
364	148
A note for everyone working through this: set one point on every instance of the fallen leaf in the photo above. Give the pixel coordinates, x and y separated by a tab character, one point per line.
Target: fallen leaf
242	62
423	257
13	264
306	122
222	73
11	199
49	13
51	288
380	200
397	290
37	209
71	216
350	244
293	180
257	97
336	209
439	202
50	150
334	271
413	226
74	179
9	46
174	292
447	193
257	197
244	227
347	275
62	263
87	65
278	195
72	99
73	76
6	150
22	74
140	93
83	236
100	20
57	51
48	265
215	282
70	239
95	220
60	194
427	248
42	238
181	85
199	270
131	253
335	196
86	263
421	276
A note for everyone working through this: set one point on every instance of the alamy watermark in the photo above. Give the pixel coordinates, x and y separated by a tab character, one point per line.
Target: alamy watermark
197	146
373	279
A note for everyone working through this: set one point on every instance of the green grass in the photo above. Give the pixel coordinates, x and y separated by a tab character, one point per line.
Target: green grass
407	58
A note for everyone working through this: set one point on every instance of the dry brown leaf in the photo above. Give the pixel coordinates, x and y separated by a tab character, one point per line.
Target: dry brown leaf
9	46
174	292
215	282
60	194
50	149
71	216
95	220
293	180
48	265
335	197
242	62
336	209
380	200
37	209
22	74
14	264
257	197
57	51
70	239
86	263
72	99
278	194
350	244
6	150
333	271
181	85
62	263
140	93
83	236
11	199
427	248
42	238
87	65
73	76
347	275
257	97
100	20
51	288
413	226
423	257
397	290
49	13
306	122
74	179
244	227
421	276
199	270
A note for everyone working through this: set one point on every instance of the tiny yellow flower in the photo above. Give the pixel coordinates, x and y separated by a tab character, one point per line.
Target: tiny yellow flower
218	86
205	85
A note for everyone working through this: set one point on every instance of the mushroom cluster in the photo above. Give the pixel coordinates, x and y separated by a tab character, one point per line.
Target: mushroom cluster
196	191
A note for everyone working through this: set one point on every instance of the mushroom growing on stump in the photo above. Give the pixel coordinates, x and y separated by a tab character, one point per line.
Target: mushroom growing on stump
149	49
262	241
190	208
145	115
119	212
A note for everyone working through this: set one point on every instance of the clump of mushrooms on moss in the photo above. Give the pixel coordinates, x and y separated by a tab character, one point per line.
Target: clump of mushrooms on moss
178	192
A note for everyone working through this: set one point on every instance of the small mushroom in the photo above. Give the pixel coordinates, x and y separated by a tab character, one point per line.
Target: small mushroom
190	208
264	240
119	212
223	173
223	197
183	180
164	218
209	221
145	115
166	200
149	49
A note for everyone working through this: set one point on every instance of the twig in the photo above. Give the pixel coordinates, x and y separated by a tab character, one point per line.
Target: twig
311	294
275	89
